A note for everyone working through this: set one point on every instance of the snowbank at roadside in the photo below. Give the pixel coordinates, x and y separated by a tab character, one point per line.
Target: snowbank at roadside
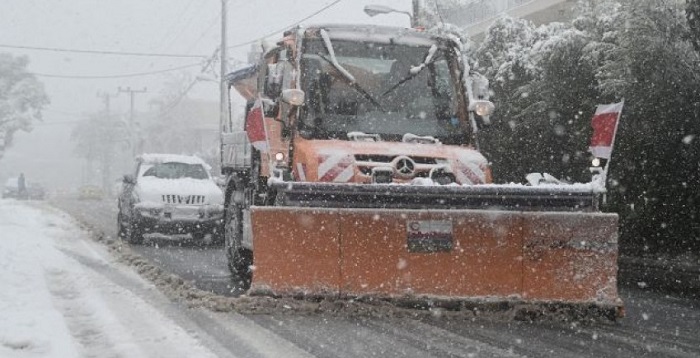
56	302
29	322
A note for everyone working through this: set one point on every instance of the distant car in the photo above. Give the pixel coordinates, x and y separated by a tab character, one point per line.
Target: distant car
170	194
90	192
10	189
34	191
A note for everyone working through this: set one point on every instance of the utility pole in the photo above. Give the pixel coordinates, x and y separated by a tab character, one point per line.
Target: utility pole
223	105
132	127
104	151
417	18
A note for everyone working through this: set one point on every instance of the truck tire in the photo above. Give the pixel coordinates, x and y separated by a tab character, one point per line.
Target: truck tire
217	236
239	259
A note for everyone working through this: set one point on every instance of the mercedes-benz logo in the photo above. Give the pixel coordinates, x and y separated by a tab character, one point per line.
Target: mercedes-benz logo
405	166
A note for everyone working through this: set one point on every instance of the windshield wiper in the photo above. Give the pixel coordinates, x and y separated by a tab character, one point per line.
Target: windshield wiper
348	76
415	70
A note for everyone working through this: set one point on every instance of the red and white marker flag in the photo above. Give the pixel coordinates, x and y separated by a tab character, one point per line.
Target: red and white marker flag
255	127
605	121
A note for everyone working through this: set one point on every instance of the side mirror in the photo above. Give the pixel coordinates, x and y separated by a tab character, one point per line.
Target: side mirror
129	179
273	82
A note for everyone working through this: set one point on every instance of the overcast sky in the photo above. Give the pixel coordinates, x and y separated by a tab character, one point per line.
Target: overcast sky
190	27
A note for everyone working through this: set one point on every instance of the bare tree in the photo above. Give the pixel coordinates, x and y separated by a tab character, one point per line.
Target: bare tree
98	139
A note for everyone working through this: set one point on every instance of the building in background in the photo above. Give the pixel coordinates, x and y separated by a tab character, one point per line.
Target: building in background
476	16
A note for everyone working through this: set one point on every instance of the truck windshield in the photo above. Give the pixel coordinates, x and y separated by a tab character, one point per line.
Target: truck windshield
401	92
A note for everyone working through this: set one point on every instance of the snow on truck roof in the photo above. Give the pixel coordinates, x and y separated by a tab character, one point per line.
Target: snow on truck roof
376	33
367	33
153	158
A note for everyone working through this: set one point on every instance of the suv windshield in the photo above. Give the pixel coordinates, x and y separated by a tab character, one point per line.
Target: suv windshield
176	170
418	101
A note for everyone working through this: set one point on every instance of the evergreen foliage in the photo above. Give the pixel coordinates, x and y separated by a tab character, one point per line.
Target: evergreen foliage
547	81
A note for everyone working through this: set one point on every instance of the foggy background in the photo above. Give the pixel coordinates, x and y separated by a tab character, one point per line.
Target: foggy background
182	27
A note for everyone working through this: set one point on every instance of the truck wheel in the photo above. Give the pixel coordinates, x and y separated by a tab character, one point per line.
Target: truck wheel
239	260
217	236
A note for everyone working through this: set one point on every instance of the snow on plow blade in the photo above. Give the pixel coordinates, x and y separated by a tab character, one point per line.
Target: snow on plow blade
518	256
506	197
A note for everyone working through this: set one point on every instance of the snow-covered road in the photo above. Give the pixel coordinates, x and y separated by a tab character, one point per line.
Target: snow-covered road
55	302
64	296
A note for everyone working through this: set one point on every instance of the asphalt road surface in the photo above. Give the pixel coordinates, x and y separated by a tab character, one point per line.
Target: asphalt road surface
656	325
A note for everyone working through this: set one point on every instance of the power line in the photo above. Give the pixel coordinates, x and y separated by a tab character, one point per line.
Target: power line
40	124
81	77
184	27
177	21
286	27
211	25
65	113
96	52
173	104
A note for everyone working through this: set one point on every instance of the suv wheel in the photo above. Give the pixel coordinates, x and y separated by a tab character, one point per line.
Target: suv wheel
131	231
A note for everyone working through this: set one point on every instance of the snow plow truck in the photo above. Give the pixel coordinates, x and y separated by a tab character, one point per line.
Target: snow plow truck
355	173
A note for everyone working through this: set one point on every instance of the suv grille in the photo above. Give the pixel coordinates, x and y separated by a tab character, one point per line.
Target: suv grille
184	199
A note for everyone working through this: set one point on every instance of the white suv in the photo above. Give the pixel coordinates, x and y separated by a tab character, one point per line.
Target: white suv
170	194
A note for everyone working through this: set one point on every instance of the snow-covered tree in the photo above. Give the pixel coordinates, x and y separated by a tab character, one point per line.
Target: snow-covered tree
22	98
692	14
503	57
655	68
543	83
548	80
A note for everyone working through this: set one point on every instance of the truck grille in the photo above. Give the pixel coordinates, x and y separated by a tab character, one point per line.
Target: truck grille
365	163
388	158
184	199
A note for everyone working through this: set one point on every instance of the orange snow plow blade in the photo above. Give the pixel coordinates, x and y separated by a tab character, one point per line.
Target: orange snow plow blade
469	255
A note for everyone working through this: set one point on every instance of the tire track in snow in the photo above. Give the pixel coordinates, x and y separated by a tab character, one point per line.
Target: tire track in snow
82	319
442	341
107	319
224	334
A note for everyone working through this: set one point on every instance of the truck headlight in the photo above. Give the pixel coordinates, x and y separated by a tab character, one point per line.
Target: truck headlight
293	96
482	107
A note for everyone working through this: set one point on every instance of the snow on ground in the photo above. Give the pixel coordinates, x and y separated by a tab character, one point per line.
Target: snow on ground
55	300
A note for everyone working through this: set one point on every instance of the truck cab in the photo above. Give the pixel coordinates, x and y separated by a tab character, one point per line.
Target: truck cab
353	105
